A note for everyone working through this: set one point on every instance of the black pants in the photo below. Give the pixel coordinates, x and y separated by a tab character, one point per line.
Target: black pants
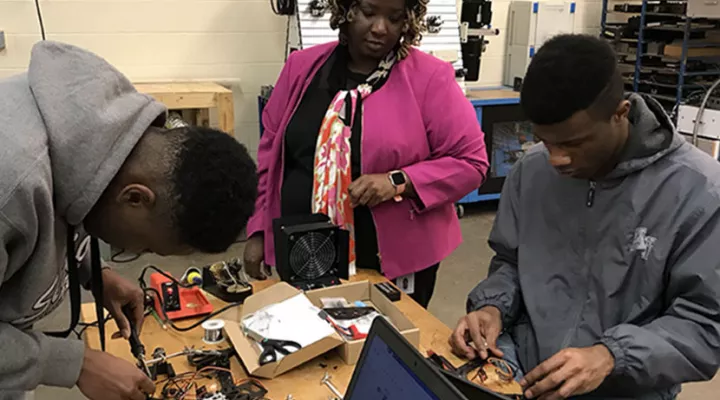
424	285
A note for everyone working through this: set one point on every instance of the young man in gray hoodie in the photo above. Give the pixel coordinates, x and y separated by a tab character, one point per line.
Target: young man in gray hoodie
606	277
82	151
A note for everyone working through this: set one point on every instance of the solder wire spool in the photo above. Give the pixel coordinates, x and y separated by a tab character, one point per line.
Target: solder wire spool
213	331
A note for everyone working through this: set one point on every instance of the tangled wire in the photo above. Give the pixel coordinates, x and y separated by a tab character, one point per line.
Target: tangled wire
415	11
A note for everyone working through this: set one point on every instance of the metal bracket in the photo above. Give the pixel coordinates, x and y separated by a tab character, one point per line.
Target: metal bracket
466	32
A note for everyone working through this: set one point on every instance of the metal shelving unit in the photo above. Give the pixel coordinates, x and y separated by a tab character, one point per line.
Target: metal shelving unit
647	34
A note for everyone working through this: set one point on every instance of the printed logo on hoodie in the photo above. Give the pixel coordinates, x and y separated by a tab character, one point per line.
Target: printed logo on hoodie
51	298
641	242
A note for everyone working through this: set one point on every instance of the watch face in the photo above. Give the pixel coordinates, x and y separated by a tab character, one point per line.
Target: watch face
398	178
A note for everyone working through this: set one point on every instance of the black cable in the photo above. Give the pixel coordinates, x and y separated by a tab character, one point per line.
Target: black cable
40	19
167	320
114	257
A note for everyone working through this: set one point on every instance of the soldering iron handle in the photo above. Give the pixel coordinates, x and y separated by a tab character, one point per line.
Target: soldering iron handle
136	346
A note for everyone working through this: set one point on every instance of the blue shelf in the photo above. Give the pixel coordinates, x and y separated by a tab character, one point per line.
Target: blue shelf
669	22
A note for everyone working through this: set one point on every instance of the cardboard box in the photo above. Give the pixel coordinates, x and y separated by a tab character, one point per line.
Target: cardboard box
367	293
675	50
247	348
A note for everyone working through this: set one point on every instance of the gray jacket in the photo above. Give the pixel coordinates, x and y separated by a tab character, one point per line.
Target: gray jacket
632	261
66	127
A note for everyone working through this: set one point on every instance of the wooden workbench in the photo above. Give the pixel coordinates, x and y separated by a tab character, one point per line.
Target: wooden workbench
195	95
491	94
303	382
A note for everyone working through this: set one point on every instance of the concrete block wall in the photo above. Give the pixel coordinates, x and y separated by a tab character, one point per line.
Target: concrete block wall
240	43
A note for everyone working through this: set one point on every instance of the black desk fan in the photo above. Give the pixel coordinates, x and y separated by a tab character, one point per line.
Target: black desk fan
310	252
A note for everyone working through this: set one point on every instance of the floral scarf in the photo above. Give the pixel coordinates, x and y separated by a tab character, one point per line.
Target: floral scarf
332	152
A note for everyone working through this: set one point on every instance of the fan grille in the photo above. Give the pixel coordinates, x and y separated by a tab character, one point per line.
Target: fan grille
312	255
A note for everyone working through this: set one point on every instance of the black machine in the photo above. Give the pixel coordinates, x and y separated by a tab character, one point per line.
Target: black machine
475	16
391	368
310	252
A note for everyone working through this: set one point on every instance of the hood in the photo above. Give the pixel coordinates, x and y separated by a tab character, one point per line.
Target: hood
652	136
94	117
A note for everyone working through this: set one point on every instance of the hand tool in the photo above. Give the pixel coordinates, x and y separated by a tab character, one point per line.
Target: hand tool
272	347
136	347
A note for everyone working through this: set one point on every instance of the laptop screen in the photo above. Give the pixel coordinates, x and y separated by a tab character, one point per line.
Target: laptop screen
383	376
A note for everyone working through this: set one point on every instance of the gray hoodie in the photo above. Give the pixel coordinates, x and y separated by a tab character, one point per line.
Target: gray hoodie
631	261
66	127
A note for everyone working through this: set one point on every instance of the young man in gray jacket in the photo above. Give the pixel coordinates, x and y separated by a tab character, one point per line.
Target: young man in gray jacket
607	270
82	151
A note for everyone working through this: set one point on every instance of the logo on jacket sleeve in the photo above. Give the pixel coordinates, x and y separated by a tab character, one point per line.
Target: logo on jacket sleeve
641	242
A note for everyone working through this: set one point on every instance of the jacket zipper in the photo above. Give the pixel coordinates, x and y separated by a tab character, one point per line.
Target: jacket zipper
590	199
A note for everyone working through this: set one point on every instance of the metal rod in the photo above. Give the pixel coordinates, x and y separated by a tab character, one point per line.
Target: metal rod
603	20
640	47
326	381
683	63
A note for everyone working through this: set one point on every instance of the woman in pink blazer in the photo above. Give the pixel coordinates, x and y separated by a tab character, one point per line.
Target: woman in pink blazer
377	135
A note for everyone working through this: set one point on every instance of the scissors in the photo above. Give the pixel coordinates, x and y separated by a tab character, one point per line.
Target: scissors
271	347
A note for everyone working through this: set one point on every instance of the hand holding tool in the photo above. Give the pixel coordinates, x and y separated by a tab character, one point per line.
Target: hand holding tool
136	347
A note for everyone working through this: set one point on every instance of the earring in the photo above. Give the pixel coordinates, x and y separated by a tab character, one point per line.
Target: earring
350	16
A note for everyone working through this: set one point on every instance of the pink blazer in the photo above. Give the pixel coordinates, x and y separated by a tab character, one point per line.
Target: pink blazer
419	121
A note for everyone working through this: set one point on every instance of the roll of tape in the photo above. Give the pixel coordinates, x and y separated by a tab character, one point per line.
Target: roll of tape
213	331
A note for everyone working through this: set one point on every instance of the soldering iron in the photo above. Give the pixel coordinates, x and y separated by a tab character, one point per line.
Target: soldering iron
136	347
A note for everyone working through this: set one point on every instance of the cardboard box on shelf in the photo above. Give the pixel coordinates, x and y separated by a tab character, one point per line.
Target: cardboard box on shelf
248	349
675	50
367	293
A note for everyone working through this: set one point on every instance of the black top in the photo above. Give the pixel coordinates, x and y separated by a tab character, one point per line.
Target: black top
300	141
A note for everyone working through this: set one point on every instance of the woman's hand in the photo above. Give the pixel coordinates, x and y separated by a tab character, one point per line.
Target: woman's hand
254	256
371	190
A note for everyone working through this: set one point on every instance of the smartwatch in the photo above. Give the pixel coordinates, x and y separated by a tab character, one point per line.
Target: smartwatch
397	179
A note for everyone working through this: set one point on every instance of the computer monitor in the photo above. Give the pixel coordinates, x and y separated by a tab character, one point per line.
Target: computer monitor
390	368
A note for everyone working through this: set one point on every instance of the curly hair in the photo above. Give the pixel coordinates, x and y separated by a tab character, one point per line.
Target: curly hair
415	11
214	183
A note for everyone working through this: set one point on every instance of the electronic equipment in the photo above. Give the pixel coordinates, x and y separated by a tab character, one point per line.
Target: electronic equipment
391	368
311	252
162	367
227	281
475	18
389	290
179	302
530	25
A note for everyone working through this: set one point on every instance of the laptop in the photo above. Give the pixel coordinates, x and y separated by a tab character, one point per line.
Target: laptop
390	368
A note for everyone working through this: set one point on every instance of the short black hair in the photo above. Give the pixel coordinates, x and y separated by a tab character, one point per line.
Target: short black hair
214	187
568	74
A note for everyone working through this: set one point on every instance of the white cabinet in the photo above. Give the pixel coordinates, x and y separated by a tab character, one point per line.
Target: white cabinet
703	8
530	24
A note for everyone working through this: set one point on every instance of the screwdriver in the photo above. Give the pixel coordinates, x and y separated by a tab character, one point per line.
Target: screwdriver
136	347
